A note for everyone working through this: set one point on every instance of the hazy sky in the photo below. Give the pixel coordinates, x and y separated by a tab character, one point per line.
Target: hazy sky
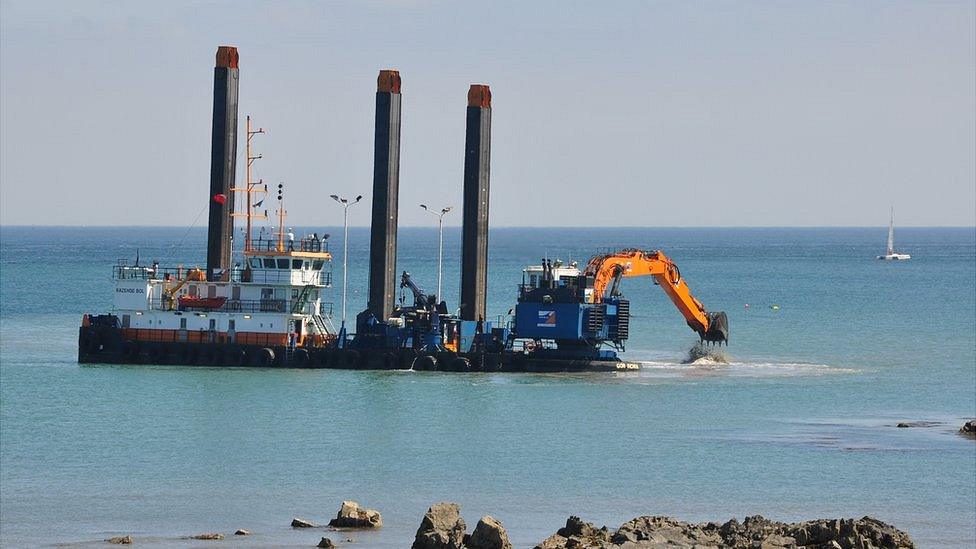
646	113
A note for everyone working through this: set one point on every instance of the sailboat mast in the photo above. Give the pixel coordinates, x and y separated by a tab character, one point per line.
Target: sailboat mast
891	232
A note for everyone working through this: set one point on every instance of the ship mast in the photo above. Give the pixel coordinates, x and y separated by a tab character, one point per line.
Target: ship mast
251	188
281	217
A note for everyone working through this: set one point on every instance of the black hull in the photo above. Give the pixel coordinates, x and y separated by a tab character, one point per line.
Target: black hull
106	345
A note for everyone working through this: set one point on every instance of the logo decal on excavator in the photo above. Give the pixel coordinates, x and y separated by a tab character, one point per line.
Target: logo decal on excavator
547	319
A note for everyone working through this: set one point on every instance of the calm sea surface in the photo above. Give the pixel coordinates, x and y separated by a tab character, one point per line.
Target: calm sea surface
799	424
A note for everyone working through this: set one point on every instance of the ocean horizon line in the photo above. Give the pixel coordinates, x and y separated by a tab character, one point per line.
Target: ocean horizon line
600	227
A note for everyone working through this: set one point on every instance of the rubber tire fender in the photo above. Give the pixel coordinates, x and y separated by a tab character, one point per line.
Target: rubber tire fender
425	363
131	350
158	355
349	359
460	364
299	358
331	358
264	357
235	357
320	358
214	357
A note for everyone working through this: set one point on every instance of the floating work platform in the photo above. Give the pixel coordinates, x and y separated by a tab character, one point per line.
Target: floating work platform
103	341
266	305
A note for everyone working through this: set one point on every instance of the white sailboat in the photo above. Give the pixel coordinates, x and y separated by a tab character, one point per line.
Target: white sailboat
891	254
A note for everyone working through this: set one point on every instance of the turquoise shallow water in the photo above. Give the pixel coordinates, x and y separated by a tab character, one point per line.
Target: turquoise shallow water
800	424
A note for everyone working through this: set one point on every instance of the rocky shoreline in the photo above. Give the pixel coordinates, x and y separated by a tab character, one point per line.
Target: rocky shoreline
443	527
753	532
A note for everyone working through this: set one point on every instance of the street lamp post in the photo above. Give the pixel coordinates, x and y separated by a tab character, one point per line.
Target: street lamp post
440	242
345	203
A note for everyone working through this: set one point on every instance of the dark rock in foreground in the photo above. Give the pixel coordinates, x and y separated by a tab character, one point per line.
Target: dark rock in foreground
242	532
488	534
441	528
120	540
968	429
301	523
326	542
350	515
661	532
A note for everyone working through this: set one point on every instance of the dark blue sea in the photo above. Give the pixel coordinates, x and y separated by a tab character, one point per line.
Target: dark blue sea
799	423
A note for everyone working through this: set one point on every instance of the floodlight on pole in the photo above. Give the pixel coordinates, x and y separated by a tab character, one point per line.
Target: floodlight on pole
440	241
345	254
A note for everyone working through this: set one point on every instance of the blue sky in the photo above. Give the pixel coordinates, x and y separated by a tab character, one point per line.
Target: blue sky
610	114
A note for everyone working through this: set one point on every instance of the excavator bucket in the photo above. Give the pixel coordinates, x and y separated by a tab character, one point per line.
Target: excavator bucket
718	328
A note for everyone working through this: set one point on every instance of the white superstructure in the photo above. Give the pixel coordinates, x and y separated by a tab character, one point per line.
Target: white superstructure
273	298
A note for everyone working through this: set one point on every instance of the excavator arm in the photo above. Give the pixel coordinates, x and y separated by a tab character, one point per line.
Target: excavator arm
608	269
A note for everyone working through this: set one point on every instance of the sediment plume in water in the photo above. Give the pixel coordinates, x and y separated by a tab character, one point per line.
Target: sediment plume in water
705	354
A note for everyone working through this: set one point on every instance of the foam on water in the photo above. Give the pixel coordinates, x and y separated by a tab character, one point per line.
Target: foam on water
710	361
706	355
712	366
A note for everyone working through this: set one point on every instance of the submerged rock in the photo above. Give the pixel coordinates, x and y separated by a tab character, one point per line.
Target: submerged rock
907	424
326	542
968	429
301	523
656	532
441	528
208	536
488	534
350	515
120	540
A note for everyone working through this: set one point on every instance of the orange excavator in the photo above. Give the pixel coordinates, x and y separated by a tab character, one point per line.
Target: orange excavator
608	269
569	313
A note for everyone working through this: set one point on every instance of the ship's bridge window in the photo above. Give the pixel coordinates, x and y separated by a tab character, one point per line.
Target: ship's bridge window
269	263
317	264
534	281
255	262
296	263
283	263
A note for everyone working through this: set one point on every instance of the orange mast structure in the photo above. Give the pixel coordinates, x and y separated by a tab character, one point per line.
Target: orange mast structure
250	188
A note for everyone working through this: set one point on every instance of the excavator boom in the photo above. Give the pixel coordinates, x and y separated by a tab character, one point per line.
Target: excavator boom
608	269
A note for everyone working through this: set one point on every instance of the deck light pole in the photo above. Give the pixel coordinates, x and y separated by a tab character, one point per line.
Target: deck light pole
440	239
345	203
